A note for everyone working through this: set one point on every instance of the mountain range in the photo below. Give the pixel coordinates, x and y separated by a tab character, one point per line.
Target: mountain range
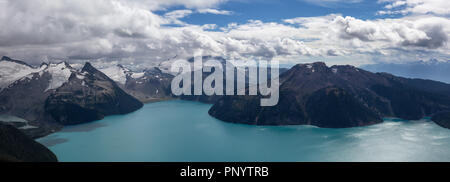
338	97
39	100
55	94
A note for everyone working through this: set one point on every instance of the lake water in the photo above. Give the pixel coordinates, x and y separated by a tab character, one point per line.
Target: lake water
183	131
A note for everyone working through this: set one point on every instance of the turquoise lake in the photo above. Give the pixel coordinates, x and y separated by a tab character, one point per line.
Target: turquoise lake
183	131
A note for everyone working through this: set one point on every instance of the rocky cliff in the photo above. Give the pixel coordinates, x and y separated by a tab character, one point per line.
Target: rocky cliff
334	97
18	147
442	119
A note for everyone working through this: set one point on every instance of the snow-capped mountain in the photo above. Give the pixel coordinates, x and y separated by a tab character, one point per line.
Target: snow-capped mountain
119	73
147	86
150	85
57	94
88	95
47	97
60	73
12	70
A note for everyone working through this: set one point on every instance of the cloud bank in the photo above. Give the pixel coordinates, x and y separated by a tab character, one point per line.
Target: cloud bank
129	32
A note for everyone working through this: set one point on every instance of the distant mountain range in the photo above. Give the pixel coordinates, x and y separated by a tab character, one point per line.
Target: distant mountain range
41	100
432	70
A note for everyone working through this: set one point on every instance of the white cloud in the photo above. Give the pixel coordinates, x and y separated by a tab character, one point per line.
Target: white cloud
395	4
334	3
209	26
129	33
175	16
163	4
438	7
215	11
389	37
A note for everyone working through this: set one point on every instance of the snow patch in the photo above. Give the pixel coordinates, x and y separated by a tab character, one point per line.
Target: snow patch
27	127
116	73
137	75
14	119
12	71
60	74
80	76
11	118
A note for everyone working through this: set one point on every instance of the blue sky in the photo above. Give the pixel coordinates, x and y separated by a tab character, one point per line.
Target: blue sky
276	11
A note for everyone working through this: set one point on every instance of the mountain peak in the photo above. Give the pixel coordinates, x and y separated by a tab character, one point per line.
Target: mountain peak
43	64
319	64
6	58
91	70
88	67
311	67
123	68
66	64
152	70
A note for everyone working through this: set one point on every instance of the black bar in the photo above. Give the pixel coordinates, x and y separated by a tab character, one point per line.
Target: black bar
275	171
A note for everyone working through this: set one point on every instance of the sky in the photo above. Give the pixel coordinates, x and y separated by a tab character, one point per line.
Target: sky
143	32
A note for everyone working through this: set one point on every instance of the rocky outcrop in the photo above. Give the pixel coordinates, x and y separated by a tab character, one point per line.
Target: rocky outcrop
334	97
442	119
88	96
18	147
